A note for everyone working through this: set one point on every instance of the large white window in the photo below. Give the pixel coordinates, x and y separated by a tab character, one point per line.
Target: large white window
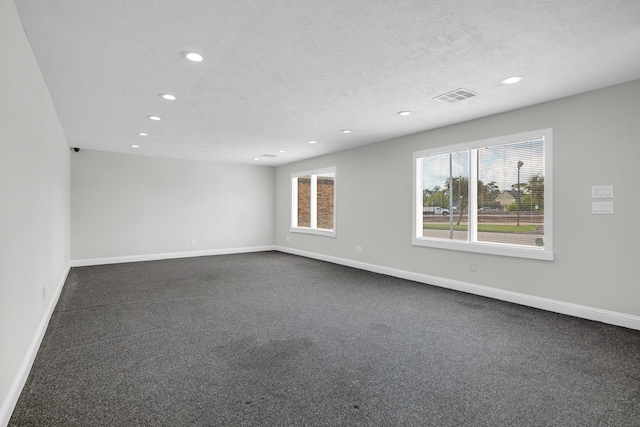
313	206
492	196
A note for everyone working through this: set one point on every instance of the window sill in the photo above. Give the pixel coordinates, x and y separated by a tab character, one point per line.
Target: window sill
317	231
487	248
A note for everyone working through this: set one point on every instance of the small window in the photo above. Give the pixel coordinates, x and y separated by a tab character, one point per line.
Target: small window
491	196
313	202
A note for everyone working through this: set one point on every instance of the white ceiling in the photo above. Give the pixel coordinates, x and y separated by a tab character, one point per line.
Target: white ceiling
278	73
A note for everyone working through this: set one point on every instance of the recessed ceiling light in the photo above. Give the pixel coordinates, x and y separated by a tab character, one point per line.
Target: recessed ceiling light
168	96
256	158
404	113
346	131
192	56
281	151
511	80
135	146
312	142
154	118
143	134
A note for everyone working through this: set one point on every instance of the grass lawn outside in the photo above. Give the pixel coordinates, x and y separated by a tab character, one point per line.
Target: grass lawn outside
492	228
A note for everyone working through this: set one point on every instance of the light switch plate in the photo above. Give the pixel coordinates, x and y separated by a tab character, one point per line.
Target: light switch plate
602	191
602	208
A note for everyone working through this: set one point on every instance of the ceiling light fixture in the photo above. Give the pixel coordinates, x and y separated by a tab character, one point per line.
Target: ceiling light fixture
168	96
135	146
281	151
404	113
512	80
156	118
346	131
256	158
312	142
143	134
194	57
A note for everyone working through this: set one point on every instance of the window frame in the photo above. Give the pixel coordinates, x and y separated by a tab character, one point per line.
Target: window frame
295	228
472	244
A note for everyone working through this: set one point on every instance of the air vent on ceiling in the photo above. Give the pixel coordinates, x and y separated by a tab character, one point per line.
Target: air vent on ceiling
268	155
456	96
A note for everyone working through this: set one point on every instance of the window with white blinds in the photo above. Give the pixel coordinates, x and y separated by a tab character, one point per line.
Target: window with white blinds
490	196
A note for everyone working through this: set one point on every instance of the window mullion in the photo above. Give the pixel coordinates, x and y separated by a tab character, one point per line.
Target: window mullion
450	196
473	196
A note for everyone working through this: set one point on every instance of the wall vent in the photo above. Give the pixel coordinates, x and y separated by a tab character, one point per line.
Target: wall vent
456	96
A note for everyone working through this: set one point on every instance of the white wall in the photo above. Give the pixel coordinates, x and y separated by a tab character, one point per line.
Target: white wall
595	143
34	207
132	206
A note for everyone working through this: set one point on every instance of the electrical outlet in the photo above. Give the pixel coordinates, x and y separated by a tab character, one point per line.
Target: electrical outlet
358	249
287	238
194	243
472	266
44	293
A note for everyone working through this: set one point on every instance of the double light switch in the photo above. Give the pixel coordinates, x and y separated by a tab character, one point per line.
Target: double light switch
602	207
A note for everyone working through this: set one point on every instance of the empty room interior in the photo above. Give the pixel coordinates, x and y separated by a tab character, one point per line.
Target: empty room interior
319	213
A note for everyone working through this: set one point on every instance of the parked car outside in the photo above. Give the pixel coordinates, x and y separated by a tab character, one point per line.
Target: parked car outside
434	210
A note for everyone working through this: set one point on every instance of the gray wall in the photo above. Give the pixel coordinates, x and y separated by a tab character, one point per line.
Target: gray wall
595	143
128	205
34	213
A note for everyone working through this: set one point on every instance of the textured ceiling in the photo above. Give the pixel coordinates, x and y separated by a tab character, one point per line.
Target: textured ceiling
278	73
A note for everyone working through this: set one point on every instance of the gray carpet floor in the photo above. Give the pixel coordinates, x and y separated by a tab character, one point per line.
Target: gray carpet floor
270	339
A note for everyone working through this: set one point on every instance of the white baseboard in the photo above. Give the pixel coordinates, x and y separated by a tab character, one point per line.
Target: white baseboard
584	312
170	255
22	375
